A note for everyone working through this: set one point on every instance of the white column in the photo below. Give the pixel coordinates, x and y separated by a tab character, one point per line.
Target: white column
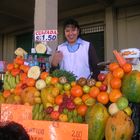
110	33
46	17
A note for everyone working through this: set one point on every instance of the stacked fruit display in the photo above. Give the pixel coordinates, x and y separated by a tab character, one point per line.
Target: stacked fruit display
58	96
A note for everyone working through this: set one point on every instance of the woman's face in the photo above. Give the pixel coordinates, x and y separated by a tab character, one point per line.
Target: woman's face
71	34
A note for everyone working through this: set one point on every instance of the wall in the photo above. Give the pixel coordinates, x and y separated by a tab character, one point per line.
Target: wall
128	21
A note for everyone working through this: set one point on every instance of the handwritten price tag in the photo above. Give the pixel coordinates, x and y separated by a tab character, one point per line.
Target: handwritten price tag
45	35
48	130
10	112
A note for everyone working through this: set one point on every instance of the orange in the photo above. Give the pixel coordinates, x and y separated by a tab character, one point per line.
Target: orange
59	99
127	67
118	73
82	109
30	82
115	83
98	84
85	97
114	95
54	80
6	93
113	66
73	83
76	91
103	97
18	90
10	67
94	91
43	75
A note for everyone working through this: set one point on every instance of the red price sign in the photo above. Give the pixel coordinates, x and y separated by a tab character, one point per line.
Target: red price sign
45	35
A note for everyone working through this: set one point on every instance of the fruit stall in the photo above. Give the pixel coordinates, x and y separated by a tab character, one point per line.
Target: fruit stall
106	108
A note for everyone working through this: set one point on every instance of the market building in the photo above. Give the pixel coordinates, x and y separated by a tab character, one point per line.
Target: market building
108	24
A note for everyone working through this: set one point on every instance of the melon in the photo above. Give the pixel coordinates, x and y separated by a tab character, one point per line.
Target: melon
131	86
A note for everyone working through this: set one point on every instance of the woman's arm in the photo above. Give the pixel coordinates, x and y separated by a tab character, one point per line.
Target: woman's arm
93	61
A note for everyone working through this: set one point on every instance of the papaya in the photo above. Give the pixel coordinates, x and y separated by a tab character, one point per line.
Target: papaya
131	86
96	118
119	127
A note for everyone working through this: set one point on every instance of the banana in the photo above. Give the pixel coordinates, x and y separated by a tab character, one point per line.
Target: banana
17	79
13	82
6	86
5	78
36	116
35	109
41	108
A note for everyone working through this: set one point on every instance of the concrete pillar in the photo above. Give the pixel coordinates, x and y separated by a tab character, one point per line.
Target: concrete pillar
110	32
46	17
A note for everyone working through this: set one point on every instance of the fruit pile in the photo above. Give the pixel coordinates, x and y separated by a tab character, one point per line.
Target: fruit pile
58	96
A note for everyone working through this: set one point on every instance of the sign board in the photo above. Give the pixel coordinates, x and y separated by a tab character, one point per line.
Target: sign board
11	112
45	35
49	130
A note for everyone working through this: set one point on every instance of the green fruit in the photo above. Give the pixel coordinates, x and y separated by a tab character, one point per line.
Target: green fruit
86	89
128	110
131	86
122	103
96	118
67	86
90	101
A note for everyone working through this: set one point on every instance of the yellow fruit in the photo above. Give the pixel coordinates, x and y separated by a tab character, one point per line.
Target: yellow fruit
37	100
128	110
63	117
98	84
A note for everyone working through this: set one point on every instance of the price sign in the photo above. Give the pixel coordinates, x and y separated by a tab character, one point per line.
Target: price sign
11	112
45	35
48	130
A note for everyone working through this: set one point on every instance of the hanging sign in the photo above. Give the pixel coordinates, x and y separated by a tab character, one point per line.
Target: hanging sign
45	35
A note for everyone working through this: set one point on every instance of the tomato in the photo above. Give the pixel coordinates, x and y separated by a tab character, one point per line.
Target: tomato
55	115
43	75
54	80
76	91
103	97
59	99
94	91
82	109
15	71
23	76
10	66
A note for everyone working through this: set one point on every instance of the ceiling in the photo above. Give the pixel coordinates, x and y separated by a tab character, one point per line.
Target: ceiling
19	14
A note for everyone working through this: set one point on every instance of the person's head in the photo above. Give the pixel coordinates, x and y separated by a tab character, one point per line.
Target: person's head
71	30
12	131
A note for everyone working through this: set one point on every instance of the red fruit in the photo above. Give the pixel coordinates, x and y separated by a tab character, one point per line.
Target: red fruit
15	71
103	87
101	77
55	115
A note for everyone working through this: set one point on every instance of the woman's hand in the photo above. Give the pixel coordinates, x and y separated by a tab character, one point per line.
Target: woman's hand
58	55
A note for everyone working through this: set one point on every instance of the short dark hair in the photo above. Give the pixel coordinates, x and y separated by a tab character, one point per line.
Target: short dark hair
12	131
71	21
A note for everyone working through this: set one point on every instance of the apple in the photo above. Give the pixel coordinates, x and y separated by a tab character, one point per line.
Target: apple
101	77
103	87
48	79
67	86
86	89
59	86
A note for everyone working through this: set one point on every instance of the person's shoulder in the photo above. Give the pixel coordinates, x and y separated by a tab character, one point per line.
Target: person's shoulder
82	41
62	44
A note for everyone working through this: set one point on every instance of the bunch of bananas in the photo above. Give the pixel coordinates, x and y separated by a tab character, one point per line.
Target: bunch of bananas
38	112
10	81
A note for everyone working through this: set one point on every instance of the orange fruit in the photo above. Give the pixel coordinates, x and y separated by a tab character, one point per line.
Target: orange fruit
23	76
30	82
115	83
85	97
6	93
73	83
18	90
114	95
10	66
103	97
24	68
94	91
54	80
113	66
76	91
98	84
43	75
118	73
59	99
82	109
127	67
